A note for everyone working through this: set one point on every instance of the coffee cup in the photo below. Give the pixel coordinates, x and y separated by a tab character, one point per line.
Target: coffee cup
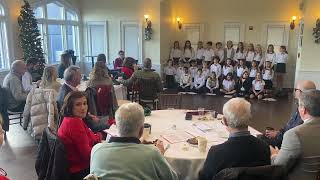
146	130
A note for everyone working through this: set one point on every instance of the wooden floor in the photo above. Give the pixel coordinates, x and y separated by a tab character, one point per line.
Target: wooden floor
17	155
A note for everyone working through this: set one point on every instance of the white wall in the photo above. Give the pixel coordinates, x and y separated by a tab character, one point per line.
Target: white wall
115	11
308	67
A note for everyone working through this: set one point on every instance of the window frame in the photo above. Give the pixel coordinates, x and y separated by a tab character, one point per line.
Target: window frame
45	22
234	25
7	33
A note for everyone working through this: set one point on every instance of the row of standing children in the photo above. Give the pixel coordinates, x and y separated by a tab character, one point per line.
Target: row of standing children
229	56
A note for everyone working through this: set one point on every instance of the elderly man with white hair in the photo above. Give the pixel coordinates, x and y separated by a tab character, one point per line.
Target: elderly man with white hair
124	157
241	149
13	84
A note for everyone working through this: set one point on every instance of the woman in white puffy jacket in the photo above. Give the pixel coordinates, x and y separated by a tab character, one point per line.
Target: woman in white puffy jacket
40	111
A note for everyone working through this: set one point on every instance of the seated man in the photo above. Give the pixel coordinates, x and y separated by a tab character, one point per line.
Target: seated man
124	157
241	149
274	137
300	151
146	73
72	77
27	77
13	85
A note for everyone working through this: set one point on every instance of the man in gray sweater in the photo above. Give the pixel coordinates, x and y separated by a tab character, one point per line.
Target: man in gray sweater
13	84
124	157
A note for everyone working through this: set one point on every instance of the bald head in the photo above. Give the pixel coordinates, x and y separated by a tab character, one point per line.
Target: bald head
18	67
304	85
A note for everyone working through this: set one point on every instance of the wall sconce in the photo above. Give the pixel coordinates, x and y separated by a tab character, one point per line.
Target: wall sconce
179	23
292	24
148	28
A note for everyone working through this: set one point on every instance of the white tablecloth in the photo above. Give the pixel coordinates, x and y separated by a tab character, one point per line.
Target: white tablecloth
120	90
186	163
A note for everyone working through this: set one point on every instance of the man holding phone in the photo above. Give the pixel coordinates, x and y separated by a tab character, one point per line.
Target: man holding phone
274	137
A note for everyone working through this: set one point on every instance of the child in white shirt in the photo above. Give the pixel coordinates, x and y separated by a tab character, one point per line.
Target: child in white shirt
193	69
185	81
241	68
270	56
205	70
250	55
199	81
258	56
220	52
229	51
240	54
199	53
212	84
228	85
253	71
170	72
188	52
228	68
267	75
281	60
216	67
179	71
208	52
176	53
257	87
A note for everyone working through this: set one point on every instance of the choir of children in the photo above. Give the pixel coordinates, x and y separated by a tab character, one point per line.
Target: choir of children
240	72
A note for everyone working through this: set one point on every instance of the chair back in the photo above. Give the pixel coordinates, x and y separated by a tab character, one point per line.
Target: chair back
147	89
170	101
103	99
268	172
4	108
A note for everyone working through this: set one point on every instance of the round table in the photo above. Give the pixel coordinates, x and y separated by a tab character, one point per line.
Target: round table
168	123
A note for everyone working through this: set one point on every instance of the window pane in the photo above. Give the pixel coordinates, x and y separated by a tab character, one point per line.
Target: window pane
1	10
71	16
72	39
55	42
232	34
38	12
4	59
97	39
54	11
276	37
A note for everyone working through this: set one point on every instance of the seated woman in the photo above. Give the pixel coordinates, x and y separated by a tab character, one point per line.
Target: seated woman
185	81
243	85
199	82
212	84
228	85
128	67
49	79
77	138
257	87
99	78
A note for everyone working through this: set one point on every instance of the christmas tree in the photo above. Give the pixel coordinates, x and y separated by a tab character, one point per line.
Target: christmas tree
30	39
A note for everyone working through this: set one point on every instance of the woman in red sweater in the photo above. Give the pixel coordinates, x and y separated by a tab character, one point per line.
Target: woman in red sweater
128	67
77	138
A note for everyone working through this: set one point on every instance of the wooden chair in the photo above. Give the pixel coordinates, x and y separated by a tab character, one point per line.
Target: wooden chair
133	92
148	92
170	101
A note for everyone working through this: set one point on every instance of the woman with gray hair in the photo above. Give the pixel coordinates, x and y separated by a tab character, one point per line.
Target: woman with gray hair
241	149
124	157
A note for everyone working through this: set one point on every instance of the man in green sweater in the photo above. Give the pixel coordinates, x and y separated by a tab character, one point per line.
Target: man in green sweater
124	157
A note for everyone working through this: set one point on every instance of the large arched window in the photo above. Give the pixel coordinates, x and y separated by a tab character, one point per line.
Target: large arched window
59	26
4	50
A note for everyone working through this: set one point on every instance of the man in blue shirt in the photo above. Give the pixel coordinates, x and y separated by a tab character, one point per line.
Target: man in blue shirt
274	137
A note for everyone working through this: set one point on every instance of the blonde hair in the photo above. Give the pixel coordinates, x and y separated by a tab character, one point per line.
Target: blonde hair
99	71
47	77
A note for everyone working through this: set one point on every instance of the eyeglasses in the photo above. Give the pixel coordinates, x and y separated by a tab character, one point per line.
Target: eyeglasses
295	90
